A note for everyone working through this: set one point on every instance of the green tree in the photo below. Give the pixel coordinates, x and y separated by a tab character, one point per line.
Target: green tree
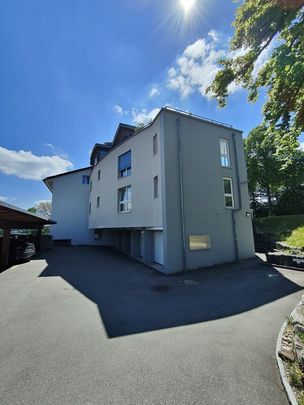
263	165
43	208
267	172
276	25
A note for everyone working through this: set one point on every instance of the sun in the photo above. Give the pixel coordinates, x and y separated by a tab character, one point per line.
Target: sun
187	5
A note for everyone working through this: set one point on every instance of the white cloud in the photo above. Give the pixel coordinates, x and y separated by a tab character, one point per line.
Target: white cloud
215	35
119	110
42	201
302	146
143	115
196	68
26	165
49	145
154	92
7	199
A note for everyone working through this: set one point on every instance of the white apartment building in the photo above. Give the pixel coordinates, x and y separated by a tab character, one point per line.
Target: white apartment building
173	194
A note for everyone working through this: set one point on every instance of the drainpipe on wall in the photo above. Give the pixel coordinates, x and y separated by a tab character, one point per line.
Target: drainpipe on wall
239	199
181	192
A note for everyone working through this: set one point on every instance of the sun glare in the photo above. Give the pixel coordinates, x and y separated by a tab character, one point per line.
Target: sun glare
187	5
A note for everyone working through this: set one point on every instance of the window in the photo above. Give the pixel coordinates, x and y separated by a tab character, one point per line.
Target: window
98	202
98	175
199	242
90	186
155	186
224	149
90	208
155	145
124	164
228	192
85	179
124	199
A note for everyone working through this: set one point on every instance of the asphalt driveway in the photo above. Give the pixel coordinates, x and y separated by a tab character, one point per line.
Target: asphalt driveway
89	326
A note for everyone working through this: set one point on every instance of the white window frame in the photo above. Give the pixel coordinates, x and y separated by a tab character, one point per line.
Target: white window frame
126	204
228	194
155	145
225	157
155	187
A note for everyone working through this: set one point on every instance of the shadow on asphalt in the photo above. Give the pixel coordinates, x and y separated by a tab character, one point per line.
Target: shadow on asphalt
133	298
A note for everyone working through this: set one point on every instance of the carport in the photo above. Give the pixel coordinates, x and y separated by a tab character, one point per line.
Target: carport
12	217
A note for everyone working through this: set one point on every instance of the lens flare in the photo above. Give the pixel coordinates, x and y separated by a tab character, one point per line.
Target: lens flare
187	5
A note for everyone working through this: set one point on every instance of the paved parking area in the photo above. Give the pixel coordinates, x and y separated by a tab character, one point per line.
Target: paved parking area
86	325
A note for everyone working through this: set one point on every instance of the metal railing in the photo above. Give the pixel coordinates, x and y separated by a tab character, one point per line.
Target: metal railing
197	116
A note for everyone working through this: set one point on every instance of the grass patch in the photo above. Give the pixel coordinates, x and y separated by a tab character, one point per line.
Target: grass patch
289	320
301	336
301	399
296	376
296	238
285	228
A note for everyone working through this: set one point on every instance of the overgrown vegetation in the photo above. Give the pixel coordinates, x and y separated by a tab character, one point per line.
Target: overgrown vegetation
301	336
285	228
289	320
301	399
296	376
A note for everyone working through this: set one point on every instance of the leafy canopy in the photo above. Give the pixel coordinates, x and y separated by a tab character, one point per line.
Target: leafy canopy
268	175
43	208
259	26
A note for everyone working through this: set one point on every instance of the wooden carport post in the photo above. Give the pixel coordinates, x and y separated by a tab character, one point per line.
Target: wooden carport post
5	247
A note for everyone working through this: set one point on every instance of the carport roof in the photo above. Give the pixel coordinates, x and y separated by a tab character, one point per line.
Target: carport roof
16	218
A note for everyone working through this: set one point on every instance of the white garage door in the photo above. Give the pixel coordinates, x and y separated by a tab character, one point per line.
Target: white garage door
159	247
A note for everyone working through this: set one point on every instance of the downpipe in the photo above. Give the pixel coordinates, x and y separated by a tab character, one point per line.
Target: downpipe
234	210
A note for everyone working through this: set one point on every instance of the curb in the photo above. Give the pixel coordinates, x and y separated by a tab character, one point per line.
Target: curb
290	394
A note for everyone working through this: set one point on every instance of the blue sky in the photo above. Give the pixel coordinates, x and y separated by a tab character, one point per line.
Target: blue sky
72	70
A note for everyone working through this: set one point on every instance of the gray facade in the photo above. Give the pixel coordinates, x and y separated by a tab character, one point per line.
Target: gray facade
194	201
168	209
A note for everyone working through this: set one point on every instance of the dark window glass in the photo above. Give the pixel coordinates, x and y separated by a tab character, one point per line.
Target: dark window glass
155	183
85	179
155	145
124	164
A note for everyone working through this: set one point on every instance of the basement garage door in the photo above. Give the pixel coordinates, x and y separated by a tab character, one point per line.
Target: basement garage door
159	247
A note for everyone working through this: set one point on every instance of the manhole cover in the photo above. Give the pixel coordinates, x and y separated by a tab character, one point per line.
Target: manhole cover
161	288
189	282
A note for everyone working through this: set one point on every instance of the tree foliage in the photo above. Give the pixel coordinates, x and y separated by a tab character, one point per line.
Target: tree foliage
43	208
276	26
268	175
